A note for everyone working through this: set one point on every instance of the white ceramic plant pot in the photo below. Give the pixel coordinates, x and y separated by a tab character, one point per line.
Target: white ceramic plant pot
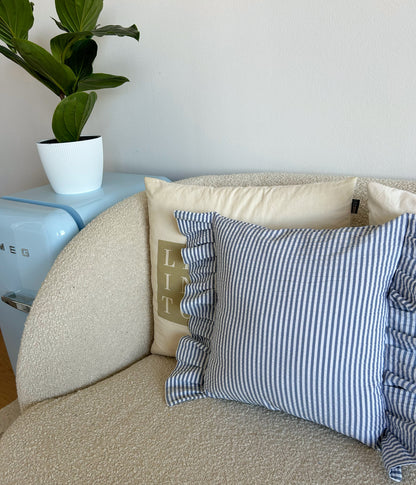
73	167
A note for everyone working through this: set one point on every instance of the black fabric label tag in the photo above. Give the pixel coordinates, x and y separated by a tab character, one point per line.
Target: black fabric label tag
355	205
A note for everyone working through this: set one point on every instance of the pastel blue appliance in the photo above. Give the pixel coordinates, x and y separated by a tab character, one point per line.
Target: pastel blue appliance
35	225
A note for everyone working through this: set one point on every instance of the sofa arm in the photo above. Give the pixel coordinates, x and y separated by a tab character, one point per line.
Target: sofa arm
92	315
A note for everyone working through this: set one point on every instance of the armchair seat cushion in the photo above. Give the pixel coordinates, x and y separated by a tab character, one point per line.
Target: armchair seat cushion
121	431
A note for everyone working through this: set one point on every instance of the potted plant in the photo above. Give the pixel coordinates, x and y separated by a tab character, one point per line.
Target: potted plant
67	70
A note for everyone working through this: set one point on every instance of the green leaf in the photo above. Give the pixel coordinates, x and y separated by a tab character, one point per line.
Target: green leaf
61	45
22	63
59	24
101	81
71	114
78	15
16	19
82	58
41	61
117	30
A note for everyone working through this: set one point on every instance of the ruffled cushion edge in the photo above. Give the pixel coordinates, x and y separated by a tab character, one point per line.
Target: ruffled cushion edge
398	445
187	379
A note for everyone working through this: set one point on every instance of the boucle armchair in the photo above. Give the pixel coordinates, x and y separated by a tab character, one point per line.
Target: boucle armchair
92	397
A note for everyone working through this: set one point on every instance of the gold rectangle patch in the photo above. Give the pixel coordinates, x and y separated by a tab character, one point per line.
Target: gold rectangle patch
172	277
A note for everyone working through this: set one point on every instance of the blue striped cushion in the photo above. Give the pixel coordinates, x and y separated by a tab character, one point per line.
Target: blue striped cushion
295	320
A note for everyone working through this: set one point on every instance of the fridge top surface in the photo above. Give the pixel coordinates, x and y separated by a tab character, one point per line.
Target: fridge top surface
83	207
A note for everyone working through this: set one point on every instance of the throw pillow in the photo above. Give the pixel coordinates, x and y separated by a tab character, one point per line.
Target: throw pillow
317	205
386	203
295	320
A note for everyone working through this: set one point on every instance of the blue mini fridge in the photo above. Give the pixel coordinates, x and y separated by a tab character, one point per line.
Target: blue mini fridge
35	225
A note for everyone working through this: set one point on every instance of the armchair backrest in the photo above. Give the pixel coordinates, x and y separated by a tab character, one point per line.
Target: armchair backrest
93	314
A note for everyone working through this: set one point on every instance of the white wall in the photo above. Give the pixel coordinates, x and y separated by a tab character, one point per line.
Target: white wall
236	85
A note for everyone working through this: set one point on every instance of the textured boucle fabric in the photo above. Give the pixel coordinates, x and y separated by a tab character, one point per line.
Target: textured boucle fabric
120	431
92	315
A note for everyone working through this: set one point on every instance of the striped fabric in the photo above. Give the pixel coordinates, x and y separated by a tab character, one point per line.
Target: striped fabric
399	443
295	320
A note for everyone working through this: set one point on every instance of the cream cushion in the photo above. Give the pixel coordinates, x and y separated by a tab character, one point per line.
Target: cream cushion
386	203
320	205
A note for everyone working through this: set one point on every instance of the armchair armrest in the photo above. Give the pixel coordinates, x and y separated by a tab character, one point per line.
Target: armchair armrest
92	315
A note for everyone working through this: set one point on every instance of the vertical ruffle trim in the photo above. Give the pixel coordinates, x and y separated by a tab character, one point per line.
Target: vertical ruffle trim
187	380
398	445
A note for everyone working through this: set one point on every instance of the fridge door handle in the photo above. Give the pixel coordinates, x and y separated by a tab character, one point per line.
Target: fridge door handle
18	300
